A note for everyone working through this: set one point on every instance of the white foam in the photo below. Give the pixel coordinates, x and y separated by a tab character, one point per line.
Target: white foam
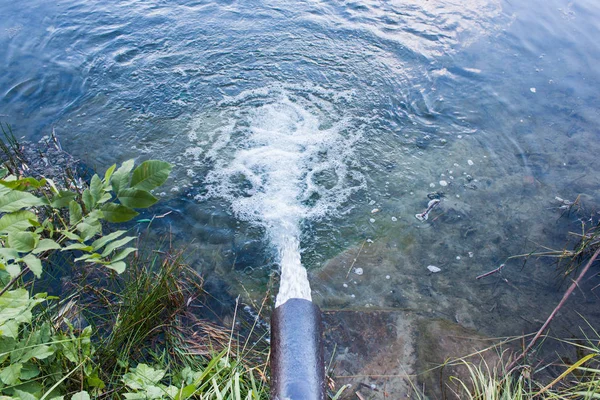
278	156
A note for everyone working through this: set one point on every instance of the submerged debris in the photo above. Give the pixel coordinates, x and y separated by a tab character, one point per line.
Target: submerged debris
430	206
433	269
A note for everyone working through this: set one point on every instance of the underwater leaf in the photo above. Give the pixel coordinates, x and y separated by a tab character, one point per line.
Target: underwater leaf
75	213
62	199
45	245
120	179
14	201
17	221
118	213
150	174
23	242
99	243
34	264
119	267
10	375
134	198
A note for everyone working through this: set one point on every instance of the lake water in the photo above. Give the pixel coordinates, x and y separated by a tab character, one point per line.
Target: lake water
322	127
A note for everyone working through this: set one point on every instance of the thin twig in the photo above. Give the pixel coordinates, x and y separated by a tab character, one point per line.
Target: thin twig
13	280
491	272
556	309
356	258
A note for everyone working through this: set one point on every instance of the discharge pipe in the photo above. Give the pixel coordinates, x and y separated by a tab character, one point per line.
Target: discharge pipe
297	366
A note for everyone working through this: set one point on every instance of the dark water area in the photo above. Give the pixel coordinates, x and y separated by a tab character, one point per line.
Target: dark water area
340	117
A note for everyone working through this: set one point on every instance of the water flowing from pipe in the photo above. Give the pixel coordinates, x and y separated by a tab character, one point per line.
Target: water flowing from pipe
280	156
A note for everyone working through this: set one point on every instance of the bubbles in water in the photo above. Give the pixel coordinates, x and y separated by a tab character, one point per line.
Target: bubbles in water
278	156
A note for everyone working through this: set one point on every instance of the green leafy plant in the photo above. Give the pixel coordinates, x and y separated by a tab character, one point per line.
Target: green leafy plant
37	217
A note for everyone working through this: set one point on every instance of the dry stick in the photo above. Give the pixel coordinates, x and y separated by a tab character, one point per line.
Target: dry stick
491	272
558	307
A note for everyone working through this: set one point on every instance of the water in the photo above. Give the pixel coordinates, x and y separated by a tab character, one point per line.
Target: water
290	124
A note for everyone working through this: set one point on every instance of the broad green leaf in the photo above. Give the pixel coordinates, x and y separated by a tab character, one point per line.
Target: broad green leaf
8	329
23	184
122	254
88	200
39	352
14	304
118	266
45	245
71	235
8	253
23	242
89	229
143	376
78	246
116	244
62	199
96	188
99	243
13	269
81	396
134	198
14	201
34	264
29	371
185	392
10	375
109	173
18	220
95	382
120	179
105	197
75	213
26	395
87	257
118	213
150	174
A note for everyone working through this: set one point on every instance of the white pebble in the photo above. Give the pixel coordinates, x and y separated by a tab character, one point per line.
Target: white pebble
358	271
394	219
432	185
443	183
352	295
459	136
470	162
458	257
471	254
375	210
345	285
387	277
433	269
532	90
371	220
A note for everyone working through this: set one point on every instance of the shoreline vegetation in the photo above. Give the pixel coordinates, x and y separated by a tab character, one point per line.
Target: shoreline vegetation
131	318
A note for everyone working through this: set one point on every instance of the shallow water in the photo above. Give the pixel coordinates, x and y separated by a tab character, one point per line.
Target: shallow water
332	121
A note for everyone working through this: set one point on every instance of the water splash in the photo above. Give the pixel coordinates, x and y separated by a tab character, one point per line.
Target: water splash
280	156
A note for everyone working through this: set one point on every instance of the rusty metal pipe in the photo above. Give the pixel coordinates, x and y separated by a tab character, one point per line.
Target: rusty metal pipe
297	366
